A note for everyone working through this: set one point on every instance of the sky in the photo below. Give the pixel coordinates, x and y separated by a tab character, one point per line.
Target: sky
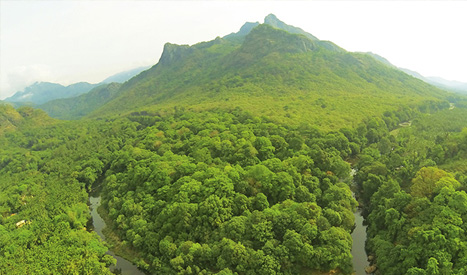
72	41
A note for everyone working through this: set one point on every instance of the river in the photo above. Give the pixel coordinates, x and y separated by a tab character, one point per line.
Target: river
125	267
360	259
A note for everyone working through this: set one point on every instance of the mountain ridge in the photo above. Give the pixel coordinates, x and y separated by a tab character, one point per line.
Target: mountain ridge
292	72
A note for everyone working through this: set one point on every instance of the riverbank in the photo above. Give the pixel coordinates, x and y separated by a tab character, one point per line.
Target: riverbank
116	245
360	258
124	255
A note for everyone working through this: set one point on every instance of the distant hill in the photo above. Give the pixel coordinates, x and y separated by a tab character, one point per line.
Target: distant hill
77	107
41	92
448	85
453	86
270	71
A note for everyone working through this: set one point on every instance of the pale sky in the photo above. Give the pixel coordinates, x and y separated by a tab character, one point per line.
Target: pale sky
72	41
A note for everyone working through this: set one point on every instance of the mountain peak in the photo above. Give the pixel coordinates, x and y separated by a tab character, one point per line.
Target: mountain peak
173	52
273	21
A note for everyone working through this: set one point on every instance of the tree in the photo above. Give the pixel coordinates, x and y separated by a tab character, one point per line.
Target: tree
430	180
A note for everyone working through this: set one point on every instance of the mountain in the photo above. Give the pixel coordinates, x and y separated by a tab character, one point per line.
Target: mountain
269	71
77	107
124	76
41	92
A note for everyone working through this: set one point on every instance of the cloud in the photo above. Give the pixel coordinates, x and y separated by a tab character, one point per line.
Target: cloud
22	76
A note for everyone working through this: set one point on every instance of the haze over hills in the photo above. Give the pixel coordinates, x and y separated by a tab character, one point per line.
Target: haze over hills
80	106
41	92
453	86
448	85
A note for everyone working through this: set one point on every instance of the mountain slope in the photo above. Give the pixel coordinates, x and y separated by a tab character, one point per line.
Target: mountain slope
272	72
77	107
9	118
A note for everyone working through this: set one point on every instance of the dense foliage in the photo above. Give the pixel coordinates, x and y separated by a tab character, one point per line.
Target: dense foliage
218	181
225	191
416	211
43	210
228	192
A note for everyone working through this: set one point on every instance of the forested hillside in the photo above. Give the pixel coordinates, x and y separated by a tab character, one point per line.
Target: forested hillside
234	157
